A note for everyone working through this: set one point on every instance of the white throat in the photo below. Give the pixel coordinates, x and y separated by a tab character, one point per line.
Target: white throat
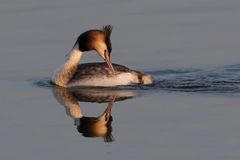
64	73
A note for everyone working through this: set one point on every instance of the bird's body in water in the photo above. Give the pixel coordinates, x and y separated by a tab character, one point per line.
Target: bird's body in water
98	74
73	74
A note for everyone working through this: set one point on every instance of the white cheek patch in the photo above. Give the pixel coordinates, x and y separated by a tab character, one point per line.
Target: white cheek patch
100	48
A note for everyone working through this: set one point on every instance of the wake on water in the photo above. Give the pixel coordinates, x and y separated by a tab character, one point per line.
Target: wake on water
220	80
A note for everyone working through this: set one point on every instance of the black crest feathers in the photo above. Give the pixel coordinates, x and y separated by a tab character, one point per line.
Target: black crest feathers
107	31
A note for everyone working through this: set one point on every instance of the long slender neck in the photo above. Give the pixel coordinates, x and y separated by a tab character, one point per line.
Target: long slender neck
64	74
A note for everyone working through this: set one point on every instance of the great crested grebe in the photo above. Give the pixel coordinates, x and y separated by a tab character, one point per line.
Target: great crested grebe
73	74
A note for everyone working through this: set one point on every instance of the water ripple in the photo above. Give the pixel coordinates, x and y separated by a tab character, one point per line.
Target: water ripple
220	80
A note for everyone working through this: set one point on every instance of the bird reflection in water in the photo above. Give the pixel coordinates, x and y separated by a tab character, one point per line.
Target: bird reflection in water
100	126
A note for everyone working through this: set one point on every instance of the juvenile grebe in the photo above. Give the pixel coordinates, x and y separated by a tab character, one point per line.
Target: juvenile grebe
72	74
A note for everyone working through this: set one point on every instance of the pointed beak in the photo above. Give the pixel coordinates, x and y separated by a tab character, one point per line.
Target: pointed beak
108	62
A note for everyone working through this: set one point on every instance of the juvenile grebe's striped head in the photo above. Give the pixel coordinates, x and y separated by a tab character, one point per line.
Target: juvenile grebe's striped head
98	40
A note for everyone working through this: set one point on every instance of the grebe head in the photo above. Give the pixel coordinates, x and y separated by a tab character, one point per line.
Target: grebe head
98	40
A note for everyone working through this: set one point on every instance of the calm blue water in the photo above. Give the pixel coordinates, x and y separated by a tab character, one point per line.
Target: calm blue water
191	112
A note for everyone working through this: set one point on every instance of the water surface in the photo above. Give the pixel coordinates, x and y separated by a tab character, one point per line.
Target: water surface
190	47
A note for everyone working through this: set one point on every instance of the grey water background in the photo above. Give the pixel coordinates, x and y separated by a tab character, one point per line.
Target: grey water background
191	48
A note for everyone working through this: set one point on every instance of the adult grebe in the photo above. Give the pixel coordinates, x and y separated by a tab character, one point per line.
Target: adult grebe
72	74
